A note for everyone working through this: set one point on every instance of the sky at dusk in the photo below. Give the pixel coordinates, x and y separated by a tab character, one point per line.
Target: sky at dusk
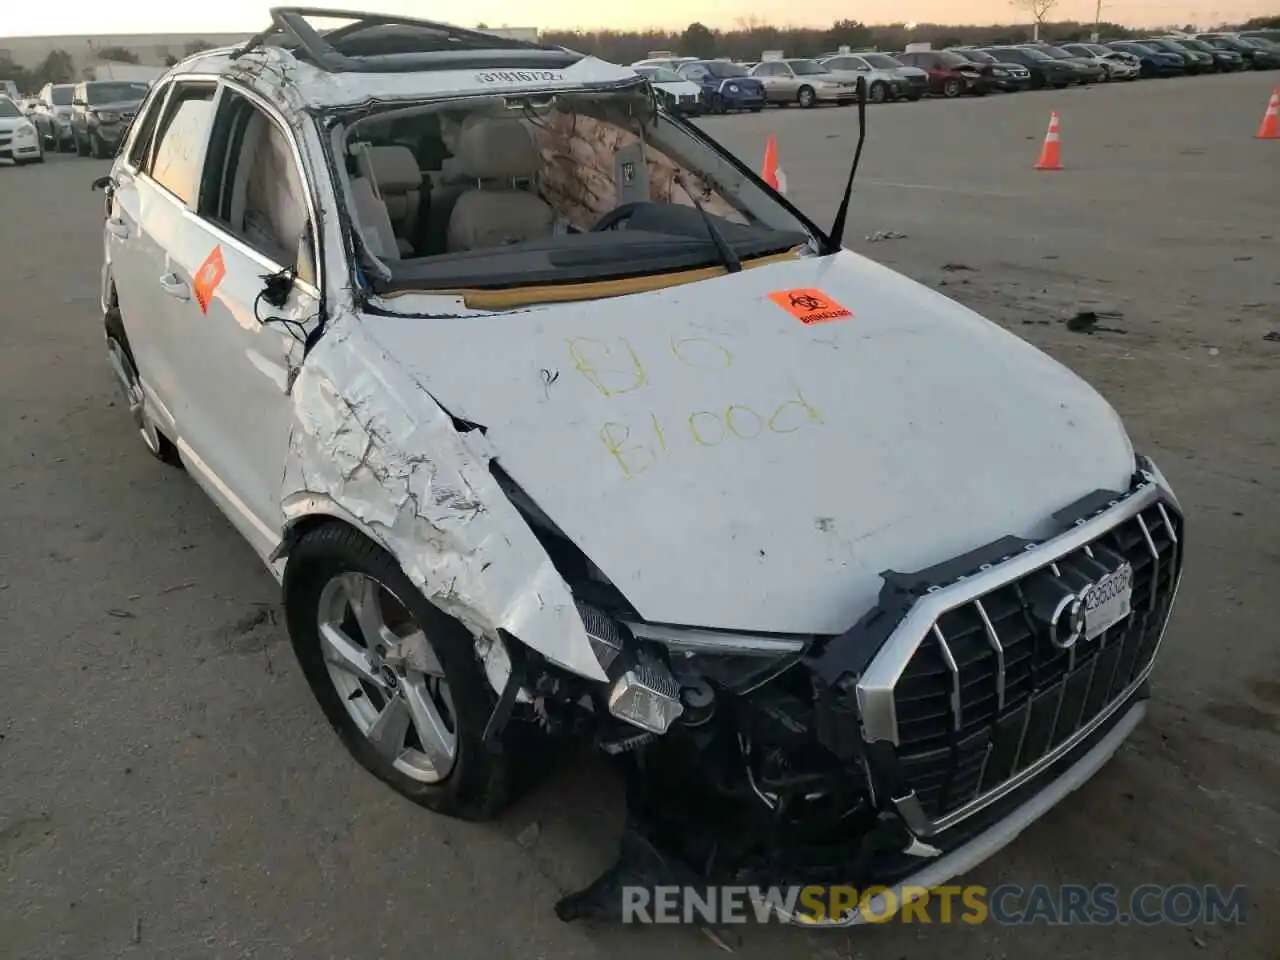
94	16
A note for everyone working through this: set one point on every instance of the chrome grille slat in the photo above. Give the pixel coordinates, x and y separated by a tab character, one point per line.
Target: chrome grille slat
994	640
957	712
1155	559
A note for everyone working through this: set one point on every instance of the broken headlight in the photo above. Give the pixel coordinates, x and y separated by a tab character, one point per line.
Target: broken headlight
738	662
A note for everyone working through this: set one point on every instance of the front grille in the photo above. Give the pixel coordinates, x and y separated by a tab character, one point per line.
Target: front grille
688	98
986	695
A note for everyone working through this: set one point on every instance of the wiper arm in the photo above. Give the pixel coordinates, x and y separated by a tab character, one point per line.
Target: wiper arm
727	255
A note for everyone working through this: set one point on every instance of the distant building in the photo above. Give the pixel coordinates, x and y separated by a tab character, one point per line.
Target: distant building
151	49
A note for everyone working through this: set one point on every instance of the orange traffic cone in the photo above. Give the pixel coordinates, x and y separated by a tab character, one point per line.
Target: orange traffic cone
1270	129
772	173
1049	153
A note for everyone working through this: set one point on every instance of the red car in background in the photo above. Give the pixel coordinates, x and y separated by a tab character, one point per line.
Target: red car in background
950	74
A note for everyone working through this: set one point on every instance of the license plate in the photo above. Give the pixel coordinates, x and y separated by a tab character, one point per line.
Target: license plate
1108	602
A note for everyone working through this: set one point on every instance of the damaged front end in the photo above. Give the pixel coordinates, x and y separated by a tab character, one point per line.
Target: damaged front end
969	700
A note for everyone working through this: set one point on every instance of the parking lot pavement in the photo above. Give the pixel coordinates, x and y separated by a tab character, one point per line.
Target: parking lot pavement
169	789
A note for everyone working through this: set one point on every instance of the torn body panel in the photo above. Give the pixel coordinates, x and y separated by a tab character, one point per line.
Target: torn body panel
368	438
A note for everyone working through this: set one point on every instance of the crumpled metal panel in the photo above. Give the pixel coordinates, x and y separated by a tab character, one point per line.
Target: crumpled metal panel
371	440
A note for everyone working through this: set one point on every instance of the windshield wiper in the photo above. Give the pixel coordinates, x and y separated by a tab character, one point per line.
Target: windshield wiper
727	255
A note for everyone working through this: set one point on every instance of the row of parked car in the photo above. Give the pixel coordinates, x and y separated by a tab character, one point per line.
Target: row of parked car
88	118
693	86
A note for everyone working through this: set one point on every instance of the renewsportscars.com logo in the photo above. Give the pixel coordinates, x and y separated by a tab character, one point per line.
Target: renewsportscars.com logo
1006	905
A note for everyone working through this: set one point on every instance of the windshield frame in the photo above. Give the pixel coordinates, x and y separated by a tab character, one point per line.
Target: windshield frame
336	126
867	59
141	87
655	74
714	67
818	69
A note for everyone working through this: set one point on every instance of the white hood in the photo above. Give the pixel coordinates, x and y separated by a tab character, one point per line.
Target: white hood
901	436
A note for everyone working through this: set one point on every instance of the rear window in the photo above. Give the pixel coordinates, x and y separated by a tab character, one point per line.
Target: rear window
115	92
61	96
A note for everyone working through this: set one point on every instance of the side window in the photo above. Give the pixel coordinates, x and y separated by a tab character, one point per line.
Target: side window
697	73
144	127
252	187
180	139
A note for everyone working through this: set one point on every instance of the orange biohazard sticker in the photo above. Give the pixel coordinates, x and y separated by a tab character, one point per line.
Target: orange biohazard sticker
810	306
208	277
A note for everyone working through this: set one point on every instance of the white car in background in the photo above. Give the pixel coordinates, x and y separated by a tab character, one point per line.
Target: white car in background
882	71
1118	65
19	139
670	63
680	95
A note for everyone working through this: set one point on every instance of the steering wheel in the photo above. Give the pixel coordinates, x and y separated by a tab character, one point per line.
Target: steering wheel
617	216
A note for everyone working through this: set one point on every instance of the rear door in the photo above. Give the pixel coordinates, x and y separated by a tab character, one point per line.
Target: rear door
154	187
247	254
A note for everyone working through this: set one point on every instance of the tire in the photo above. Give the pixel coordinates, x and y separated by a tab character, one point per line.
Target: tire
98	149
82	148
757	109
951	88
914	97
1061	86
477	783
805	97
878	92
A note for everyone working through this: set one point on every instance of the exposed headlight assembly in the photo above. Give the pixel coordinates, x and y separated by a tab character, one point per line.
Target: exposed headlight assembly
738	662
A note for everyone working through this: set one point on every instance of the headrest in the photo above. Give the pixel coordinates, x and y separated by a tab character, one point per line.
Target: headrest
490	149
394	168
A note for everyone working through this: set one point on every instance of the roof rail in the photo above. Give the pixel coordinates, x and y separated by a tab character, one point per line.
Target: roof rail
418	46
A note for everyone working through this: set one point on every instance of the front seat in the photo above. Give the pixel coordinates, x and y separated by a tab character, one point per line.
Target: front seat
394	175
497	153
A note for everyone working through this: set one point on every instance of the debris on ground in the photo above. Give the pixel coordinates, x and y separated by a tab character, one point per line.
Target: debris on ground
1273	336
529	835
885	235
1086	321
717	939
953	267
1242	259
1214	351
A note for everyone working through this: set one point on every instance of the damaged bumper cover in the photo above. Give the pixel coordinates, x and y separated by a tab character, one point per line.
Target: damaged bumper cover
924	739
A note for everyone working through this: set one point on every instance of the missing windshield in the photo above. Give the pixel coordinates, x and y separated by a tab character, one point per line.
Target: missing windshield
498	192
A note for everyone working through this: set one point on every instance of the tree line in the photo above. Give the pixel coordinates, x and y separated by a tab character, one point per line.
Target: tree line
60	67
751	36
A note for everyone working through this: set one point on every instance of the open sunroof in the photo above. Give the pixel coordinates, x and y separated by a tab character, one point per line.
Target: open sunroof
342	41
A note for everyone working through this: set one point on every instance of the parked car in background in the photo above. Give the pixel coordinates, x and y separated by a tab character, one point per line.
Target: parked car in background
1118	66
1258	53
913	83
101	111
1088	71
1224	61
53	116
669	63
806	82
1009	77
19	140
1045	70
1271	36
680	95
725	85
1196	61
1154	63
950	74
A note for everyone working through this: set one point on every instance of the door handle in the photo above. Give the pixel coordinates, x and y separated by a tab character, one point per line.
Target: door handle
175	287
118	228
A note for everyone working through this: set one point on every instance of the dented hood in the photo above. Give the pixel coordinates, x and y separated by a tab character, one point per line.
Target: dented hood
750	452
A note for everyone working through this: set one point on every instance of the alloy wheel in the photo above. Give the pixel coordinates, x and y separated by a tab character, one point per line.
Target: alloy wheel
388	676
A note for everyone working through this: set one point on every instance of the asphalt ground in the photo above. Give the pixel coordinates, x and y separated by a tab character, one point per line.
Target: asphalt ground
169	789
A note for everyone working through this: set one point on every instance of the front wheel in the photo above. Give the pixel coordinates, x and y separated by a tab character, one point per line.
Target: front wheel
806	97
913	97
82	147
879	92
951	89
397	679
98	148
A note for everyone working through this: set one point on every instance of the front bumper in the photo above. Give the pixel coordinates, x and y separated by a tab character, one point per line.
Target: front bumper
923	739
108	133
1010	84
19	146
